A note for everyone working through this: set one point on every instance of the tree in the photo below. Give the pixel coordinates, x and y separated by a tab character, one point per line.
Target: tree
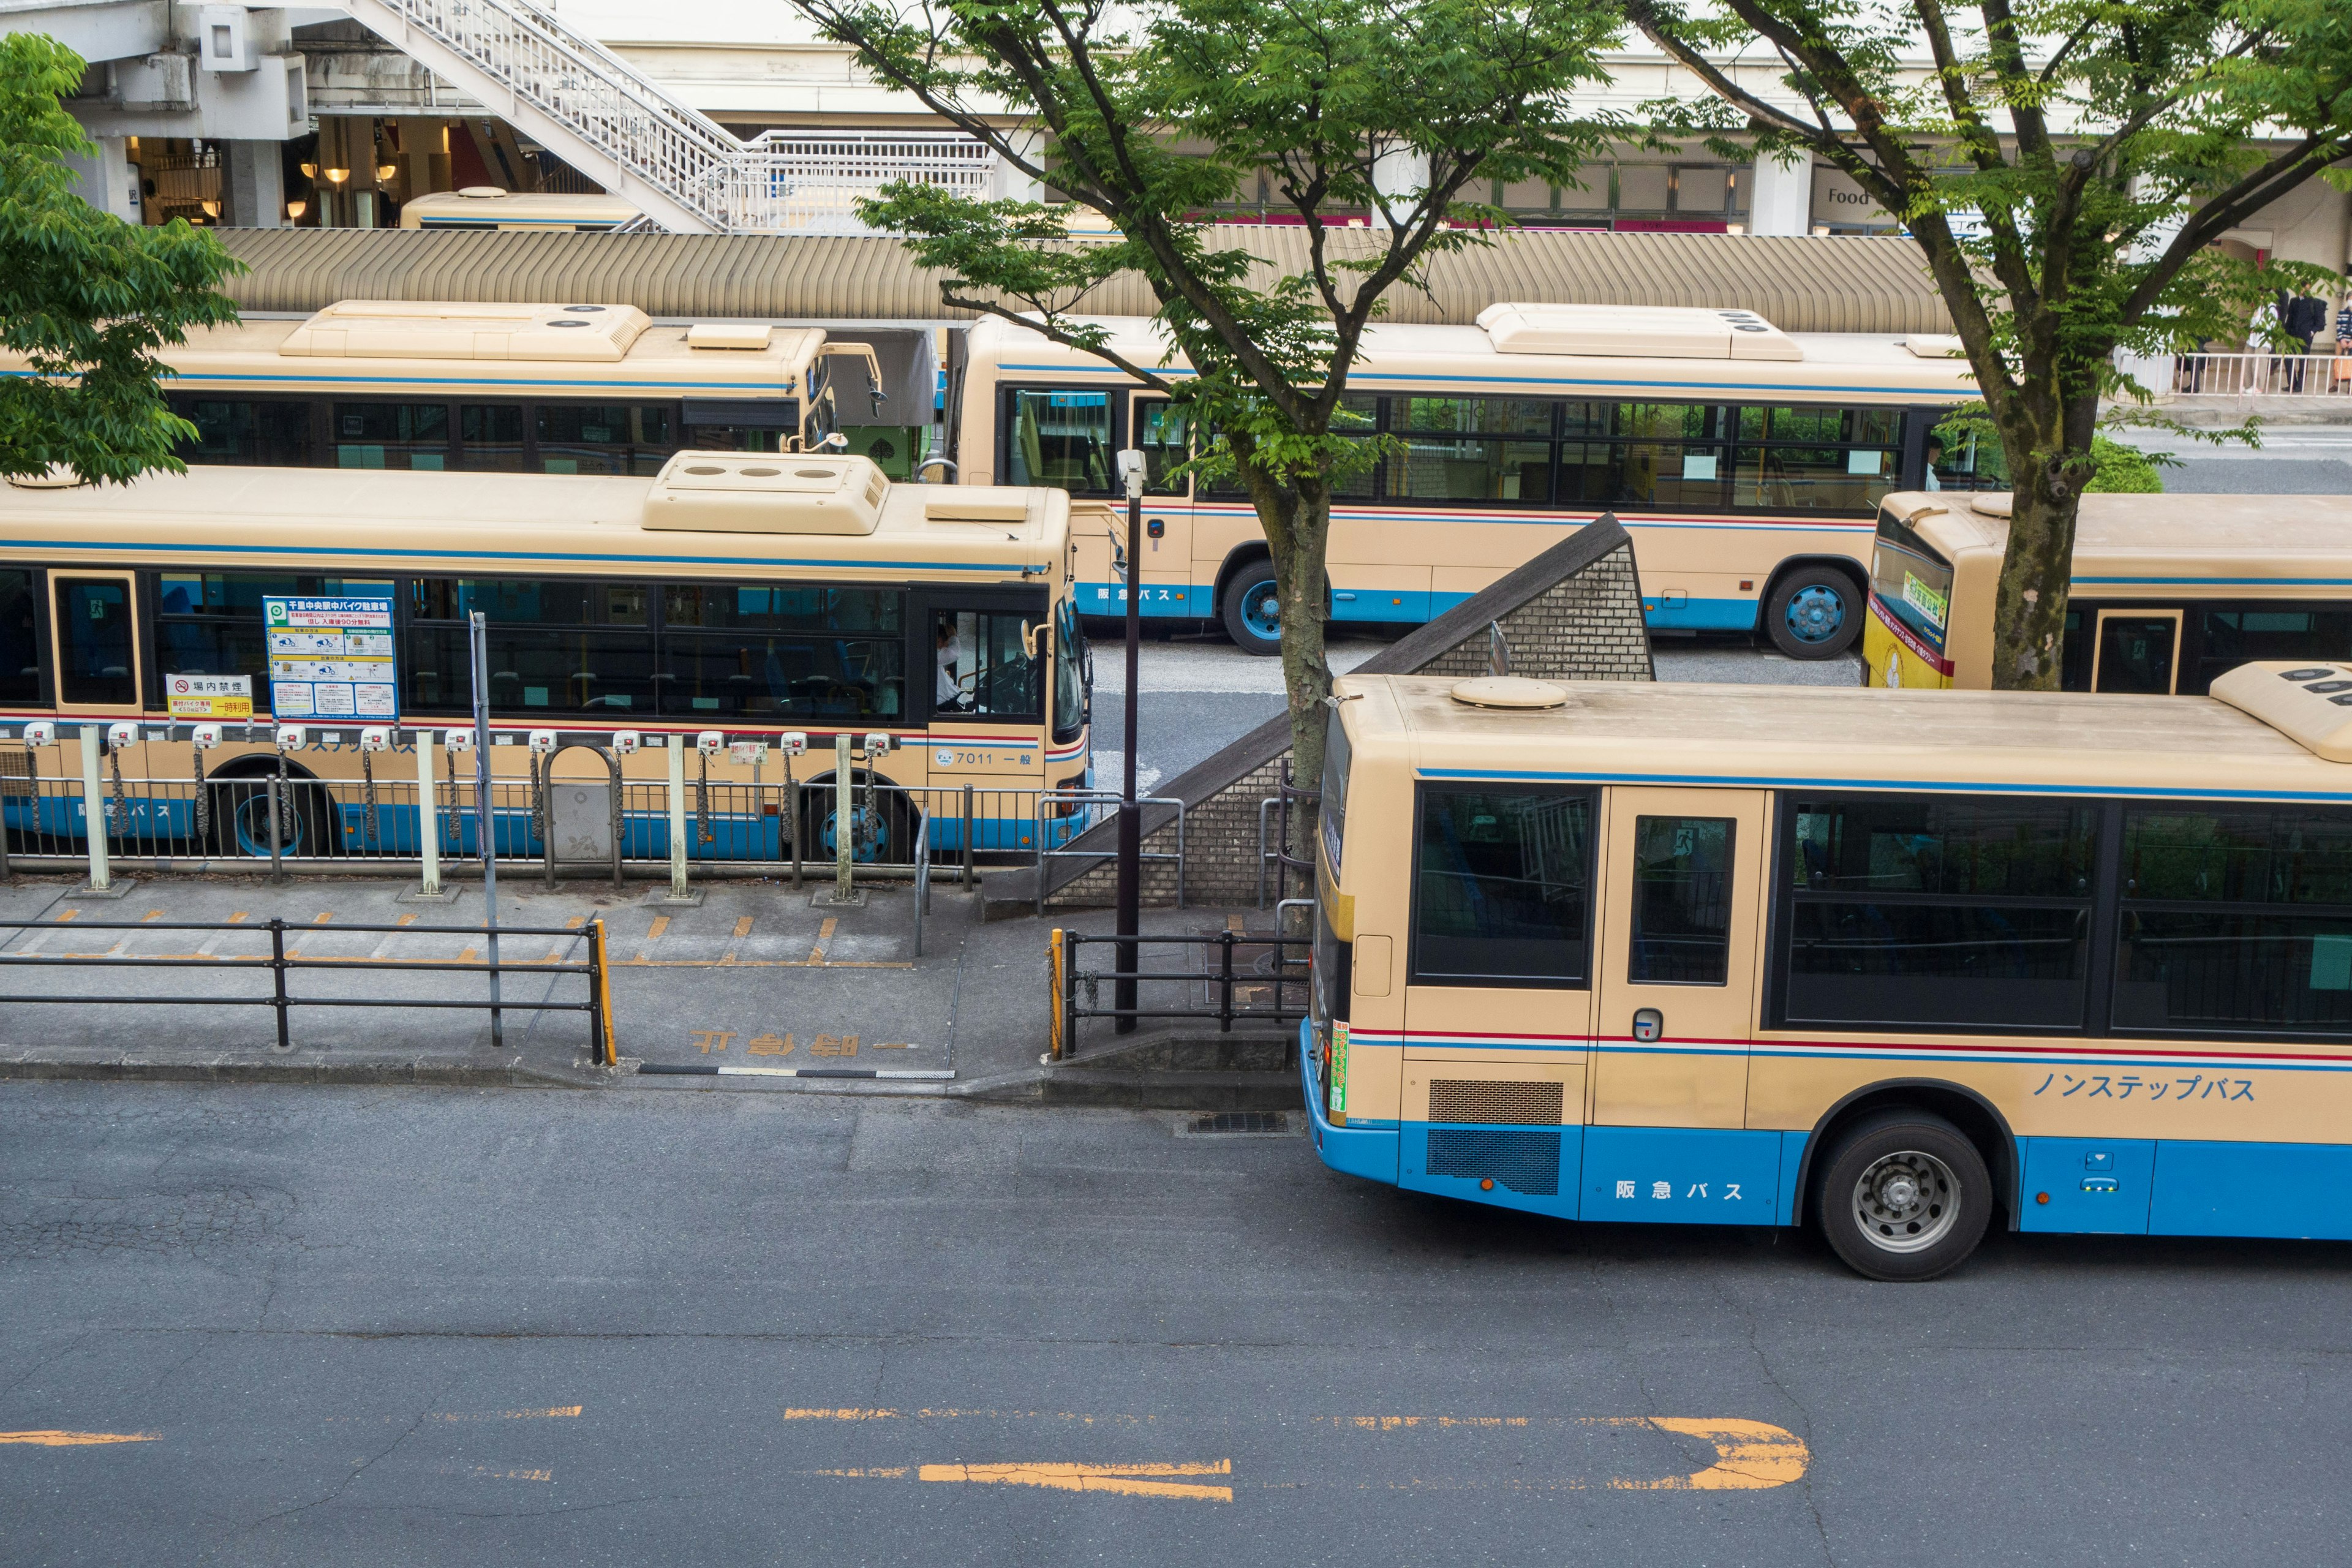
1154	126
85	297
2065	167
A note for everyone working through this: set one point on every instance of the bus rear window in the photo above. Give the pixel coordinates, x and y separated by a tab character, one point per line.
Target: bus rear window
1910	581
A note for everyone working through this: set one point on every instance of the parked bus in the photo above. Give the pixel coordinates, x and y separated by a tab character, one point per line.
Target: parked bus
506	388
729	599
2169	591
491	207
1747	462
1890	963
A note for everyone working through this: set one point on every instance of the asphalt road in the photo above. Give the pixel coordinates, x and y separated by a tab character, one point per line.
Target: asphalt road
265	1325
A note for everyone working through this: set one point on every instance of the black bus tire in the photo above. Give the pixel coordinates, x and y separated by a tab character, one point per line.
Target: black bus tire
1903	1195
1814	613
1249	608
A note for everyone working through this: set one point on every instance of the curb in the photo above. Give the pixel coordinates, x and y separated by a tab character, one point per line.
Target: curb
121	1067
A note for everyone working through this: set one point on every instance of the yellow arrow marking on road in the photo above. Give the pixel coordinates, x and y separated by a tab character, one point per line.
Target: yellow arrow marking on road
74	1439
1129	1481
1751	1456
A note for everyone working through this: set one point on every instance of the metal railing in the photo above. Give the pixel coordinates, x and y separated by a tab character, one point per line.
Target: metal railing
282	961
1221	988
643	143
2244	375
1287	796
1085	808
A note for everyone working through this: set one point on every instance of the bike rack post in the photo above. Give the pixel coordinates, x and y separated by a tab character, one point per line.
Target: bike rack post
678	816
967	837
1225	983
276	848
93	812
428	817
278	964
600	999
845	831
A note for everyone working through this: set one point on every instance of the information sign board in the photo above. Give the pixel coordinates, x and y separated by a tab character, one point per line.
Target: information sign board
331	658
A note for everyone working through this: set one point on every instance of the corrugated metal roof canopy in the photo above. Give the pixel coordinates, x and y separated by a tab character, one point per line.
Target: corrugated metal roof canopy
1799	284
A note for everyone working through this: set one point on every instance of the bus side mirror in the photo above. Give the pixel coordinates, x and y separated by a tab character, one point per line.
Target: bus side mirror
1029	631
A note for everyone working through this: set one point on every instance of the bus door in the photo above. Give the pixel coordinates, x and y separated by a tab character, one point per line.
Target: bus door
1681	912
94	625
2137	651
1163	432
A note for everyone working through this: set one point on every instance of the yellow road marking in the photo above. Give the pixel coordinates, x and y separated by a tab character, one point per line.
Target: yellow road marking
1128	1480
324	918
575	923
797	1413
153	915
238	917
886	1473
1751	1456
75	1439
661	924
643	963
469	955
69	914
744	926
551	1413
824	935
406	920
854	1413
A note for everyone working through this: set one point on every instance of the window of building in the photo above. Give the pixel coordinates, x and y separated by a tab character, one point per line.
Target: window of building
1926	914
2235	921
1502	888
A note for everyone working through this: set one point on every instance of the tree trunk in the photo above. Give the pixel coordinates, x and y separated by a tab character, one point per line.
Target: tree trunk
1297	523
2029	629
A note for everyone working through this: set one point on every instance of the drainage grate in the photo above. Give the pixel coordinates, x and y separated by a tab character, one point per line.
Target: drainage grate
1239	1124
1526	1163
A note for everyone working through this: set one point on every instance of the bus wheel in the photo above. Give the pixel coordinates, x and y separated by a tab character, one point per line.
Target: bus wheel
1814	613
883	835
1904	1196
1252	609
240	813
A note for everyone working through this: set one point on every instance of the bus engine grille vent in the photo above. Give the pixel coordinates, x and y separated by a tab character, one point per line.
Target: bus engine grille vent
1475	1099
1526	1163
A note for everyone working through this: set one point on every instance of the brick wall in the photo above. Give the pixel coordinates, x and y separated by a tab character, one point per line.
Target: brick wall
1587	626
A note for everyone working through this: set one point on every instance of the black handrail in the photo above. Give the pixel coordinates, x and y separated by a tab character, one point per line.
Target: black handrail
1224	978
282	963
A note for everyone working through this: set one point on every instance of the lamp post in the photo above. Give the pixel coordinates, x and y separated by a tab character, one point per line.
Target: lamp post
486	827
1130	815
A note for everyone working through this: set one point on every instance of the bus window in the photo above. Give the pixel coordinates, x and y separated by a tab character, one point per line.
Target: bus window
20	639
1164	433
604	437
209	622
1682	900
1332	810
1060	439
781	651
981	667
1912	582
392	436
1817	459
2135	651
1932	914
94	657
1503	888
260	434
2235	921
1470	448
490	437
1965	460
566	647
2227	638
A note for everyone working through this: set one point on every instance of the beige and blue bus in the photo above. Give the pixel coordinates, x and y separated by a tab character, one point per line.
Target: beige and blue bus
1899	965
727	602
1747	462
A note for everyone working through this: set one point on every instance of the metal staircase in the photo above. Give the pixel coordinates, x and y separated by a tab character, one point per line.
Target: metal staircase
683	170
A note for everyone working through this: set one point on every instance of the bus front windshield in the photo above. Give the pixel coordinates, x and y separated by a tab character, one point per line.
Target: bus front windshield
1073	683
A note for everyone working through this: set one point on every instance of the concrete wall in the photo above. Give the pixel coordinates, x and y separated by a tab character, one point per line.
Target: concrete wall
1587	626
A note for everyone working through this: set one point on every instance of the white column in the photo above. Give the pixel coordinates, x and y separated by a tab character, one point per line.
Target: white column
256	187
1400	176
93	812
678	816
1781	199
105	179
428	816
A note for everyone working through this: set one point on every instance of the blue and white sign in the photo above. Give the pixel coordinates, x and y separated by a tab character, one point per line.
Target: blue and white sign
331	658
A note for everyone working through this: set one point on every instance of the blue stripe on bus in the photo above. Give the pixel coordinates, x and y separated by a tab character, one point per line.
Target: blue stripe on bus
893	566
1368	380
2220	581
1767	781
751	393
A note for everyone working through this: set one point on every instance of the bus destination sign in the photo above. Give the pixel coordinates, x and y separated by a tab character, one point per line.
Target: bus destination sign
331	658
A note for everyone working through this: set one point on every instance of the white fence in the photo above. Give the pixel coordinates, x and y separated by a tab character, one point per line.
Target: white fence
2171	376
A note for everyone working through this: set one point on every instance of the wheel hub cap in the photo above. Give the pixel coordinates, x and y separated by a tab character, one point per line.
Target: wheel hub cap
1906	1201
1816	614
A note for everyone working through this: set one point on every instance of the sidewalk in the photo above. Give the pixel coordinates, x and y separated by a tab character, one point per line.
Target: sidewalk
759	975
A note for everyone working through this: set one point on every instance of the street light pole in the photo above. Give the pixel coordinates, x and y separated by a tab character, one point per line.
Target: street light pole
1131	817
